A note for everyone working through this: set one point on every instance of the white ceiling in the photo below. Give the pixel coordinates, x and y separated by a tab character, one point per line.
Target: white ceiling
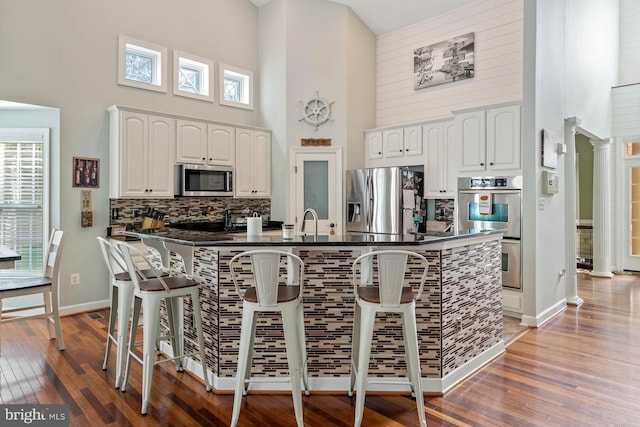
383	16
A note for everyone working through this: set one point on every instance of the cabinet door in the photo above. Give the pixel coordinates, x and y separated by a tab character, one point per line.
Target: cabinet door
471	139
161	151
243	177
432	138
134	138
393	143
191	142
373	144
450	159
261	164
503	138
221	145
413	141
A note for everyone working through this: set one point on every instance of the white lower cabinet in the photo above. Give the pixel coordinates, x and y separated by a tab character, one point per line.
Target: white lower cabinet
253	163
441	160
142	155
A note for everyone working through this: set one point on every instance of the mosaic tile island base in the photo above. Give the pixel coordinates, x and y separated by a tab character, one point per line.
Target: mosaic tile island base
459	314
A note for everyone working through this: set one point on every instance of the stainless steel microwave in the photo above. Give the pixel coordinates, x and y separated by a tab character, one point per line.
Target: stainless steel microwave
200	180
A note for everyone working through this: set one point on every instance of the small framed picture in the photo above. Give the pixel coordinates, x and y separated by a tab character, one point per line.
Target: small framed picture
86	172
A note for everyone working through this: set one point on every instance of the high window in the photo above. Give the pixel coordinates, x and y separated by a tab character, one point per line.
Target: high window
192	76
141	64
236	87
24	196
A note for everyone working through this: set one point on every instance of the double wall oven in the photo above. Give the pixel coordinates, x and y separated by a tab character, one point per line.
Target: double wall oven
495	203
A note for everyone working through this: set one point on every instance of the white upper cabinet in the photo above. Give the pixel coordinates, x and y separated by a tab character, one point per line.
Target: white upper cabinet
393	143
373	145
253	163
394	147
205	144
413	141
142	148
441	159
221	145
489	140
191	142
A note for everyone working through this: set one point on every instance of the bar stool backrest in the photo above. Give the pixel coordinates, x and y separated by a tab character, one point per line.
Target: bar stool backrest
128	252
111	257
267	273
391	271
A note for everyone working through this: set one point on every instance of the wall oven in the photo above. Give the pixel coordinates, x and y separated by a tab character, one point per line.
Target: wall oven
495	203
200	180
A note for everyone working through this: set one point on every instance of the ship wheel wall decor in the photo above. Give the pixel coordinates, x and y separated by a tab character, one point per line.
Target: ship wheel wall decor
316	111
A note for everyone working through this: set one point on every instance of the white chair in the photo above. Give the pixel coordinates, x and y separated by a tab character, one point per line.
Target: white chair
121	298
385	292
148	294
47	285
276	287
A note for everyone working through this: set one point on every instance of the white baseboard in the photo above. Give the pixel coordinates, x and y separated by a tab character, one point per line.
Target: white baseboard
83	308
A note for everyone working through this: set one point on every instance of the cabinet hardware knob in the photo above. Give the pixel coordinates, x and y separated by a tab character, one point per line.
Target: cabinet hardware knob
481	164
379	152
491	164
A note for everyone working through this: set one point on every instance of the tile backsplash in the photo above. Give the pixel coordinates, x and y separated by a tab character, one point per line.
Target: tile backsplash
182	208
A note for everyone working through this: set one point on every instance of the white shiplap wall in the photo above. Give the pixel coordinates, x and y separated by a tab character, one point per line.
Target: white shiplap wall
498	28
629	41
625	105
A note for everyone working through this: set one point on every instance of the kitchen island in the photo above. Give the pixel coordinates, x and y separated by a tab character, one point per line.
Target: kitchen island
459	314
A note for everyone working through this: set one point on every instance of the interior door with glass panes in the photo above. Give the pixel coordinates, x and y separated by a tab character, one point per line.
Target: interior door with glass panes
318	185
632	216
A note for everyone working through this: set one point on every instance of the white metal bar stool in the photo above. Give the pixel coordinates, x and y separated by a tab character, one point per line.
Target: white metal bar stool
121	298
148	294
387	293
270	292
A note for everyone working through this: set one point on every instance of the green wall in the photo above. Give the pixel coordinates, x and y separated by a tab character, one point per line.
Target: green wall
584	178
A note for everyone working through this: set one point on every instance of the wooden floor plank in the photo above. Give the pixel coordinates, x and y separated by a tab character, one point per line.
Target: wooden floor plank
581	368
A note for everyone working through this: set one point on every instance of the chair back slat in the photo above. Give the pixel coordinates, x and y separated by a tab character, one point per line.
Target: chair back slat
268	273
392	267
128	252
52	262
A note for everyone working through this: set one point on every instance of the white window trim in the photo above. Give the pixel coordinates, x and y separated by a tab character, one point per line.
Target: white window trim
160	85
248	89
206	76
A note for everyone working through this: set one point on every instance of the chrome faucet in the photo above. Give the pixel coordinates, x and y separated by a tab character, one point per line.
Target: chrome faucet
315	220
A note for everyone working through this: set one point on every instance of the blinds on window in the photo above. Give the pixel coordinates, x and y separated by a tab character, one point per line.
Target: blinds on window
21	203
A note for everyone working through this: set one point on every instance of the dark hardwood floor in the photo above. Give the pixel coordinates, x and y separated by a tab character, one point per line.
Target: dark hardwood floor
582	368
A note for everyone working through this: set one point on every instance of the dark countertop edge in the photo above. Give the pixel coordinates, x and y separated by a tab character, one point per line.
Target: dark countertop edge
298	240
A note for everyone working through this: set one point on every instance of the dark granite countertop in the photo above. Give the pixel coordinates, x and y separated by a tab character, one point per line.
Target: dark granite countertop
207	238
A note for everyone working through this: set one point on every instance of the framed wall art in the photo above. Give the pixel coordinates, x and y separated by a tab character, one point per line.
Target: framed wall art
444	62
86	172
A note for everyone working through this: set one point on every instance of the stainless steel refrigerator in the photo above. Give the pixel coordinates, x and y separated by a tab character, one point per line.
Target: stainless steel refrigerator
382	200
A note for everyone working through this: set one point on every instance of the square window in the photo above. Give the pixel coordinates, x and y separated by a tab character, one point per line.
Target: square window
236	87
141	64
192	76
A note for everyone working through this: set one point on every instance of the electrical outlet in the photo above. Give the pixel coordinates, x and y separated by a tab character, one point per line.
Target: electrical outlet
75	279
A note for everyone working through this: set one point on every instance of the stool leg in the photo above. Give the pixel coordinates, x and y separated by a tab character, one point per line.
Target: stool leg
197	317
150	317
366	336
113	312
124	298
246	332
291	338
249	363
175	309
132	341
355	348
413	356
303	347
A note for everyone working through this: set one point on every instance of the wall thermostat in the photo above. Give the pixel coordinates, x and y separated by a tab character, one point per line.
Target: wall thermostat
549	182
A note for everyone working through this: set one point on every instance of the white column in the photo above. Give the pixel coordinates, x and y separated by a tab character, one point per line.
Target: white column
601	209
571	273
